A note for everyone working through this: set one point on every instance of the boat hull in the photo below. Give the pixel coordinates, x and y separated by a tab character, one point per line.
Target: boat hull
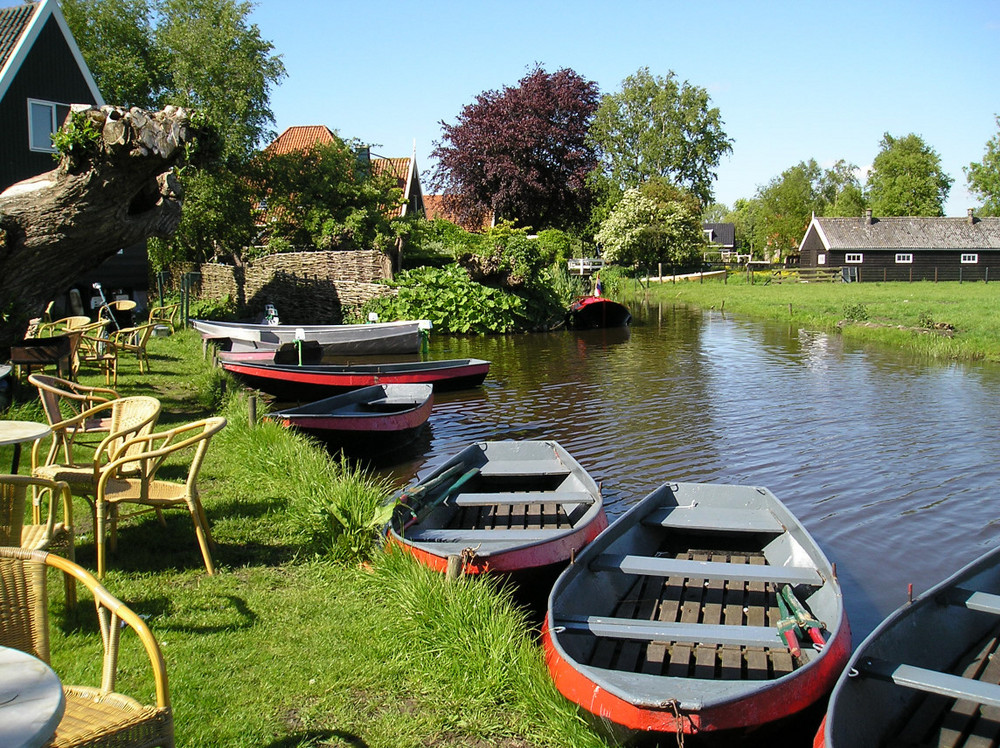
649	632
944	643
529	506
380	338
299	383
597	311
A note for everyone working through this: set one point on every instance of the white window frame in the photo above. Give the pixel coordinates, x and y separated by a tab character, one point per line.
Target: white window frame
53	126
854	258
970	258
821	259
904	258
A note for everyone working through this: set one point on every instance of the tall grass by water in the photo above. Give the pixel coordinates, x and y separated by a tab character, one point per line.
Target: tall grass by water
295	641
947	320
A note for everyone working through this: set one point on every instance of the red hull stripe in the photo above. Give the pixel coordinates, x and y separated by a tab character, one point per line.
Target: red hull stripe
769	704
357	380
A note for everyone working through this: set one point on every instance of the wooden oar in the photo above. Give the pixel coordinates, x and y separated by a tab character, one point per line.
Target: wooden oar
427	489
788	628
429	507
803	617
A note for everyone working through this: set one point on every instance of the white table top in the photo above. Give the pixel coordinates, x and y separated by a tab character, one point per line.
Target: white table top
31	700
14	432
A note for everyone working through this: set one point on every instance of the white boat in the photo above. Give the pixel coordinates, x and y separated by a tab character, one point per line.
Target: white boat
372	338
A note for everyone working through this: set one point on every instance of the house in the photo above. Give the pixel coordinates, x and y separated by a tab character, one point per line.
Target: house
42	74
404	171
721	238
435	207
904	248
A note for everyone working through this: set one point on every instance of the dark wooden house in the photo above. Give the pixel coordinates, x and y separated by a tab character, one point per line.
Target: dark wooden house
42	74
905	248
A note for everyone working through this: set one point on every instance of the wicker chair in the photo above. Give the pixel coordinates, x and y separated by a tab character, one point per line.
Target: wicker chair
165	315
127	417
150	452
93	716
133	340
63	399
39	535
96	348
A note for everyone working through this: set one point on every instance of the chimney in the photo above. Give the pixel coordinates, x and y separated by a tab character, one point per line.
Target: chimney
868	216
971	218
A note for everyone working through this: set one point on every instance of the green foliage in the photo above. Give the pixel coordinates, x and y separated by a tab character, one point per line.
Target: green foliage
78	137
984	176
554	246
657	224
906	179
451	301
659	127
855	312
223	309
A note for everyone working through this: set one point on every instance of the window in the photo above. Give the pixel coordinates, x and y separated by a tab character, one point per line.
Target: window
904	258
821	259
41	125
970	259
855	258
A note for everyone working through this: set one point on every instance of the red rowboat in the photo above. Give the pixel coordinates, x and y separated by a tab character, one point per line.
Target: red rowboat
669	621
500	506
300	383
597	311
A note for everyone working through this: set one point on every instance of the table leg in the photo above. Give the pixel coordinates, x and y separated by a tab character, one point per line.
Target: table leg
16	462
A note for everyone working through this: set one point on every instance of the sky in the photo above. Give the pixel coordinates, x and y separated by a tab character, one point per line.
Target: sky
793	81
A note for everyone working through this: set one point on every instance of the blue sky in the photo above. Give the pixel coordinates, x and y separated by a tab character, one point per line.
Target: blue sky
792	80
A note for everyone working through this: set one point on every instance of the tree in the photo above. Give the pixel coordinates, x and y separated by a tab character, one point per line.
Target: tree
656	223
114	186
521	153
785	207
841	191
984	176
906	179
656	126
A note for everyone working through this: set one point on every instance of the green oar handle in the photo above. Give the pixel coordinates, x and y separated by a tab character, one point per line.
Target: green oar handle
803	617
428	488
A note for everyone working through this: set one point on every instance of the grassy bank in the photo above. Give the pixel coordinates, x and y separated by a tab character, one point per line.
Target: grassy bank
294	642
942	320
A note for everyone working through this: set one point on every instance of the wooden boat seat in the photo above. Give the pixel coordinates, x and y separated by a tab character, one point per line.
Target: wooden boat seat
695	517
694	633
983	602
669	567
433	535
517	499
511	468
932	681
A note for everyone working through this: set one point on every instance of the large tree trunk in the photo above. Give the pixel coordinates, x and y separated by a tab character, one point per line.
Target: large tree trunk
103	196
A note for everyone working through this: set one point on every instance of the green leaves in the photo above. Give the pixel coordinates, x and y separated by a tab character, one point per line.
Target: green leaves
906	179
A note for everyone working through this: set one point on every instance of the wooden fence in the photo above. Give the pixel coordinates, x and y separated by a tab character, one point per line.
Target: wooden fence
807	275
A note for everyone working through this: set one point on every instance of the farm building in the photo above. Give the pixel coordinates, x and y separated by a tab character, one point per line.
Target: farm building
905	248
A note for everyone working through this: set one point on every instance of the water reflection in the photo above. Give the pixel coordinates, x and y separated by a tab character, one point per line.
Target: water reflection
889	460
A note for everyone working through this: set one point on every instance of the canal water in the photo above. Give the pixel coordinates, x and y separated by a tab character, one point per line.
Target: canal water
891	461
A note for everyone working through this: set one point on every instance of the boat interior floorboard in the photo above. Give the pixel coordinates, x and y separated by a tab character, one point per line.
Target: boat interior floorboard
941	722
680	600
510	516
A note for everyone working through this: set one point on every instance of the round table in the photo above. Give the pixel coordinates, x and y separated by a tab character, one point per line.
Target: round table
18	432
31	700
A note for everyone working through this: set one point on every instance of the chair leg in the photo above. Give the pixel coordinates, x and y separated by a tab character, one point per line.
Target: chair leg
69	579
99	533
113	526
204	537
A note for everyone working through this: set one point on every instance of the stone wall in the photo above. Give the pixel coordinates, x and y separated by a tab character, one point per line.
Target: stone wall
305	287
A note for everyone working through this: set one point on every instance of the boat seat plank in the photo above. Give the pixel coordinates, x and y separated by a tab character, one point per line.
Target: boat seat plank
525	497
983	602
705	654
641	607
731	658
694	517
432	535
682	653
509	468
656	566
932	681
669	607
692	633
757	660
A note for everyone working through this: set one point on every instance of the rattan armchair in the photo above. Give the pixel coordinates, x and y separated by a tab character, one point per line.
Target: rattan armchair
149	453
39	535
62	399
93	716
133	340
165	315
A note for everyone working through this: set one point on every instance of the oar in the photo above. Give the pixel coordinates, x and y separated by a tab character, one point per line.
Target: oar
788	628
429	507
428	487
803	617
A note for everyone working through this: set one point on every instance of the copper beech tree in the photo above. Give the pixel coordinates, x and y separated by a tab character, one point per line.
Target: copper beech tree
114	186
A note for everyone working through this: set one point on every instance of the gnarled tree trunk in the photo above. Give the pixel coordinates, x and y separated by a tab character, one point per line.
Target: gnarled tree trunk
107	193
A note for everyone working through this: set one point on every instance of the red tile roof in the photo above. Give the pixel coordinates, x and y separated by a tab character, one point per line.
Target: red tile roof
300	138
434	207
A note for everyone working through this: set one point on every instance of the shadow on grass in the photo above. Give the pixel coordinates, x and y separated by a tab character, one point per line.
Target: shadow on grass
225	613
319	738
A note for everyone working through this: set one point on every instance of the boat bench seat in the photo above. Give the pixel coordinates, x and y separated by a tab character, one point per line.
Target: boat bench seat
983	602
508	468
931	681
695	633
694	517
672	567
452	536
391	402
526	497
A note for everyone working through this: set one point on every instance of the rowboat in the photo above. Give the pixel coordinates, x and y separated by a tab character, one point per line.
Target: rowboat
382	415
597	311
686	615
500	507
291	382
928	674
377	338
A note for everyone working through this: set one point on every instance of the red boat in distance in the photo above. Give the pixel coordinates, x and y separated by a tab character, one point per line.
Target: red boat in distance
597	311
